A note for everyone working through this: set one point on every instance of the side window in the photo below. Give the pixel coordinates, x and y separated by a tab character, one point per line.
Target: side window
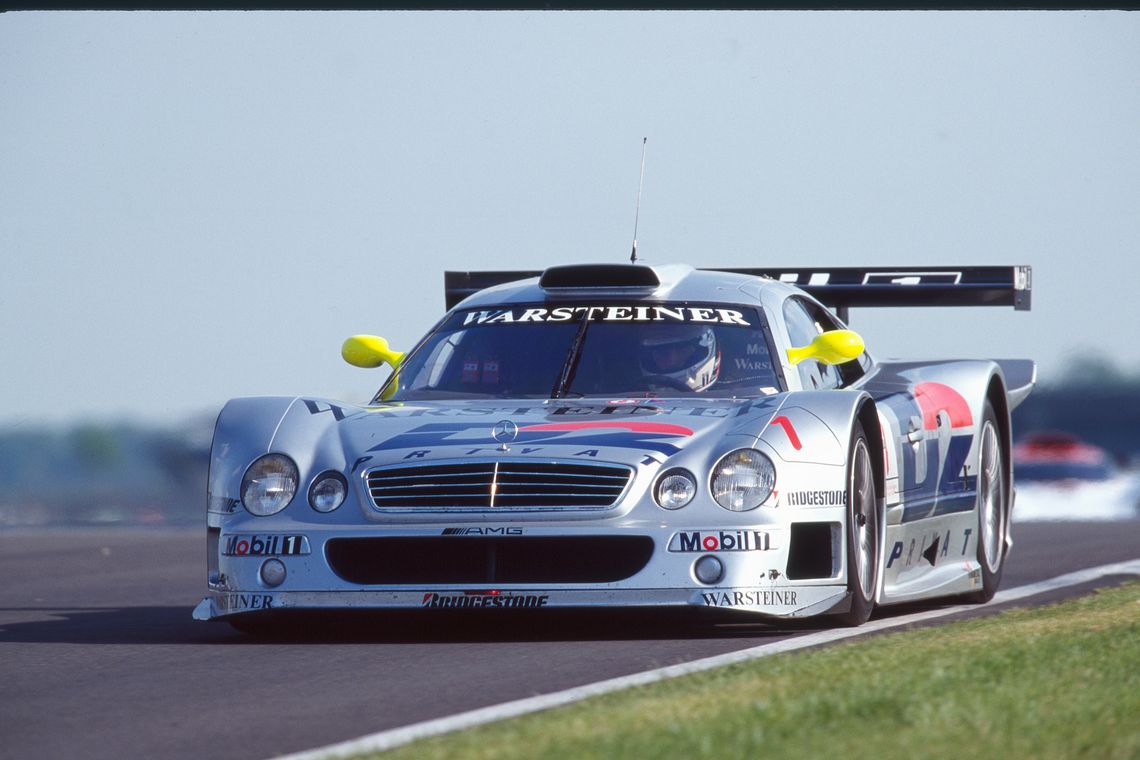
802	329
824	320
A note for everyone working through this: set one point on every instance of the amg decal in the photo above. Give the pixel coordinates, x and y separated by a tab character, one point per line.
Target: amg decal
481	532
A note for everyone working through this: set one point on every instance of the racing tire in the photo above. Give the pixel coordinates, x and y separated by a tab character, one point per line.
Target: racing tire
864	532
992	509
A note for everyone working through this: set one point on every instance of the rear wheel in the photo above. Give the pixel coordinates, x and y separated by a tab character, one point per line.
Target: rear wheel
993	508
863	532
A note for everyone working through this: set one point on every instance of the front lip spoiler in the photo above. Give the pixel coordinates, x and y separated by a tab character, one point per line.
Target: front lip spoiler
821	600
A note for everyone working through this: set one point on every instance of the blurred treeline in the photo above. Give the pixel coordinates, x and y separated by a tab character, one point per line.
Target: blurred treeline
93	473
1092	398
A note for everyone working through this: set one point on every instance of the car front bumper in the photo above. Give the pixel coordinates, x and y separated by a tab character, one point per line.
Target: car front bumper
464	567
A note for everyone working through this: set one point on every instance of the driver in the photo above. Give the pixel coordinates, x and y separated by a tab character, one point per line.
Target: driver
680	356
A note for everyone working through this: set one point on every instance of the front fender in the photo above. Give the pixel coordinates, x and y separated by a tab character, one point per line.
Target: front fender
244	431
815	426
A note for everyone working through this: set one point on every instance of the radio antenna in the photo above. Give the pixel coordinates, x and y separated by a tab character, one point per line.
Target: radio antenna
637	209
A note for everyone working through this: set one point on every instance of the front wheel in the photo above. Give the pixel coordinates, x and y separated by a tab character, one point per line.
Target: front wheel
993	511
863	532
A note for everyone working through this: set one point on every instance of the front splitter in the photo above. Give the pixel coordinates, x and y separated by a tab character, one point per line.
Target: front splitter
772	601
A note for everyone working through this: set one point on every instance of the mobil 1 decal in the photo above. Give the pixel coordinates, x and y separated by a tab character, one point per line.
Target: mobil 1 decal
935	431
265	546
720	541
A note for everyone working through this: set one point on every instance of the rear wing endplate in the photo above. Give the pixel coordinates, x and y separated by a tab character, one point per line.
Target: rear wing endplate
459	285
844	287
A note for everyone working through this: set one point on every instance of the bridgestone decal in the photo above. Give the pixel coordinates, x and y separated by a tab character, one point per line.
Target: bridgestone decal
817	498
483	600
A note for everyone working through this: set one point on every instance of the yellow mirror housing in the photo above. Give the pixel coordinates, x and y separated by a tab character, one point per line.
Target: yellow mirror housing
832	347
370	351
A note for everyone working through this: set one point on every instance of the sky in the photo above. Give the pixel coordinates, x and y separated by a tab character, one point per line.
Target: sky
200	206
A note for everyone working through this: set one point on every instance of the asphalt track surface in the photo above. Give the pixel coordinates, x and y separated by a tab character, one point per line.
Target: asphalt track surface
99	657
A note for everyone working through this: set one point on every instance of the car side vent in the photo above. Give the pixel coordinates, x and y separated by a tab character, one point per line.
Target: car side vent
600	276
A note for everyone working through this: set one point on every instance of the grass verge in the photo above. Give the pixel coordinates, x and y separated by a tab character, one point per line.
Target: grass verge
1061	681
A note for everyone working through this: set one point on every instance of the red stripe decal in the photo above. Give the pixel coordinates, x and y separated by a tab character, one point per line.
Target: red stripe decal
636	427
933	398
786	424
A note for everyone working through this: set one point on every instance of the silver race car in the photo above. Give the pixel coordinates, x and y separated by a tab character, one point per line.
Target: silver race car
631	436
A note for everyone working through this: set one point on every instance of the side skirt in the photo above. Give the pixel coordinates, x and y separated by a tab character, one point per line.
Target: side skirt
931	558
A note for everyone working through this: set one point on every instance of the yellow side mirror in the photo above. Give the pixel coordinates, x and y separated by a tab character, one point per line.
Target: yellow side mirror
832	347
370	351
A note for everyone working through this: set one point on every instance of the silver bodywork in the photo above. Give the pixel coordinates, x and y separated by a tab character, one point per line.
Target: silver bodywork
924	417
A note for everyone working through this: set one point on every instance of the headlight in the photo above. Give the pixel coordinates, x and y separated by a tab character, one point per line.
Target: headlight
269	484
743	479
675	489
328	491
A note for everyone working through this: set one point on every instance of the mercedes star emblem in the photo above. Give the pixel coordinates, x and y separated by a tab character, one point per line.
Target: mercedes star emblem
504	432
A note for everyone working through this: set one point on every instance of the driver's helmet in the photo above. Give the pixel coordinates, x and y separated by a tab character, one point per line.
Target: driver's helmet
684	355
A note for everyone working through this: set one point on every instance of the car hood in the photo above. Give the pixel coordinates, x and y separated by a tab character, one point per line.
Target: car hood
625	431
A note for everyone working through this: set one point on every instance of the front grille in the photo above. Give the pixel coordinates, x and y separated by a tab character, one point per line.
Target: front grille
479	560
500	485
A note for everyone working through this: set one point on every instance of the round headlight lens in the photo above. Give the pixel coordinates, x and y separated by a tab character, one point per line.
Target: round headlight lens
743	479
328	491
675	489
269	484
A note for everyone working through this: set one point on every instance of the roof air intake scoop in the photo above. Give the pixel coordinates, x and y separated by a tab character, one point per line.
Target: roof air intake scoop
600	276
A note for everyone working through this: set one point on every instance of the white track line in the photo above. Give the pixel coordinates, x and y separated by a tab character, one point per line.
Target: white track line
395	737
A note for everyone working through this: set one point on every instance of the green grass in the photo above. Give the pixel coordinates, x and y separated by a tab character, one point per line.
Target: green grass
1061	681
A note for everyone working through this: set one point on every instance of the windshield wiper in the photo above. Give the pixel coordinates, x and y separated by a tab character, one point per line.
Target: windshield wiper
571	366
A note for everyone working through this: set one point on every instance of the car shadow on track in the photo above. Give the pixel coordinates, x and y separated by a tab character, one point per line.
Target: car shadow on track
107	625
173	625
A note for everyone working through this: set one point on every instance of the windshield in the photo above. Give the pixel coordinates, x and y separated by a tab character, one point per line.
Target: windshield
572	350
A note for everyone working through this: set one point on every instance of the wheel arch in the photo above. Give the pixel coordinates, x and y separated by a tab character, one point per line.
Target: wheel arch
868	416
996	395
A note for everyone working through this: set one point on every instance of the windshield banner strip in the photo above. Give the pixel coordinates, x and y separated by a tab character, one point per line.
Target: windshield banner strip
683	314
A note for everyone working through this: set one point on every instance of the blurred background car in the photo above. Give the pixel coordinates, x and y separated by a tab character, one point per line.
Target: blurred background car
1061	477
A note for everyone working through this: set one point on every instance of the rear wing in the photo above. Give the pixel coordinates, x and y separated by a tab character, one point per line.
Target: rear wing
837	287
844	287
